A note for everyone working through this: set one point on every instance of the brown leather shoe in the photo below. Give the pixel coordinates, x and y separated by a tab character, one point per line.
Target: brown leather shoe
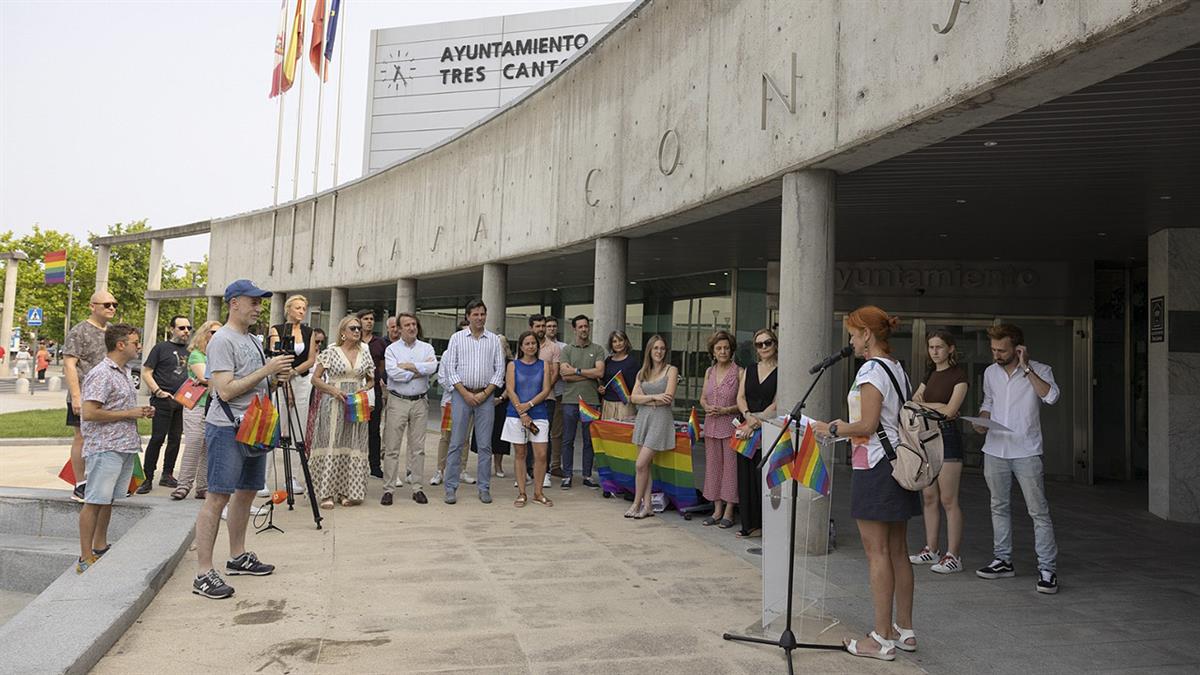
557	472
386	500
419	497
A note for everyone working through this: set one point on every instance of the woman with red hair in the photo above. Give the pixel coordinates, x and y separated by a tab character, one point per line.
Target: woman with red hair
877	502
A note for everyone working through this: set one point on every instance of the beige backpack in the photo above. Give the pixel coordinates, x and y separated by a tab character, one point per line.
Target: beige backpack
917	460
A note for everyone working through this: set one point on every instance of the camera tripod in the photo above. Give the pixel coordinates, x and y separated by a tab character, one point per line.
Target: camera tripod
291	437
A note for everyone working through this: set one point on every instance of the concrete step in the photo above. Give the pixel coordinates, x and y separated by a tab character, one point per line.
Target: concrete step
29	563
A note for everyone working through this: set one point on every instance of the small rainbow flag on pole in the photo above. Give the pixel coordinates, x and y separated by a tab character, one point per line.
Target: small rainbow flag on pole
260	424
808	467
780	467
748	445
56	267
135	480
622	388
446	423
693	426
587	412
358	407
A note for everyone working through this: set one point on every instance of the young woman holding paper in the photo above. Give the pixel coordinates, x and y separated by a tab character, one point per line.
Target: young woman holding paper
339	448
877	502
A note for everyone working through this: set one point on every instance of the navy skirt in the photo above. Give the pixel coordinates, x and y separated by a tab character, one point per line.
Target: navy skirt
875	495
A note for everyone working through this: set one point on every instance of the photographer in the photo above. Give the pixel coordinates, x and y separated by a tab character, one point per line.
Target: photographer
238	371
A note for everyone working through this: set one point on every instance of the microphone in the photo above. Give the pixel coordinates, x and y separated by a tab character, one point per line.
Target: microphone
831	359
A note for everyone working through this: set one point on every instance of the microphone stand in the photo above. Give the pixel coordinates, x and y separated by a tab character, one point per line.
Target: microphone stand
787	640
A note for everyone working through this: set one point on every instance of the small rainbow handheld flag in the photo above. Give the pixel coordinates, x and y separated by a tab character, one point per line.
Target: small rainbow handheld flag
260	424
622	388
693	426
56	267
446	417
746	446
587	412
135	480
780	467
358	408
808	467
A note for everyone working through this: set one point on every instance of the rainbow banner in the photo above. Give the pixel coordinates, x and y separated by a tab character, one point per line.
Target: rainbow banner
780	466
808	467
446	417
587	412
358	407
56	267
622	388
747	446
693	426
616	461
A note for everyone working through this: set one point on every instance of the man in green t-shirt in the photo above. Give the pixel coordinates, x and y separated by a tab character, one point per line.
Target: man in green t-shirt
581	366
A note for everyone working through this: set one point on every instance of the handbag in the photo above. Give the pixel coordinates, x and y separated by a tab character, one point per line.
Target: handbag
190	393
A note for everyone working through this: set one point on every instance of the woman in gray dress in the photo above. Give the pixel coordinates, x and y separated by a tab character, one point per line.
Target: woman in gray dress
654	430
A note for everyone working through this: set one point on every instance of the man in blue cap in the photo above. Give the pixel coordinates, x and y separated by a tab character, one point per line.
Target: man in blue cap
238	371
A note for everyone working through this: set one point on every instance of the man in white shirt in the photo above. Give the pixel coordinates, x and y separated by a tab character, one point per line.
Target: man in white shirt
409	363
473	365
1013	388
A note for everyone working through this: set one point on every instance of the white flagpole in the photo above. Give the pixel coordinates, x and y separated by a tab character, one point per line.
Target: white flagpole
337	120
320	99
299	116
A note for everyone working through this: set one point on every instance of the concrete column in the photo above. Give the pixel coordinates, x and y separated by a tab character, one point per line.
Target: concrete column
806	268
153	283
1174	373
608	287
103	253
495	293
337	311
214	308
11	261
277	300
406	295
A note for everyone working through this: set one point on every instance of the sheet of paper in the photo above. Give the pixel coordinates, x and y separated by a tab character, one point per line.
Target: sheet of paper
985	422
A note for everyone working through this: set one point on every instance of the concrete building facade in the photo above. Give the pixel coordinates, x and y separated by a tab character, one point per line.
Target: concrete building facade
743	163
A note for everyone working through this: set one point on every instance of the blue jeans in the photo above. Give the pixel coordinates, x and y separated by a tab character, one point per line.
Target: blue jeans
229	470
108	475
571	422
999	474
462	417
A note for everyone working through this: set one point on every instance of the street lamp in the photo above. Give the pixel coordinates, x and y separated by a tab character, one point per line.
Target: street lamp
194	268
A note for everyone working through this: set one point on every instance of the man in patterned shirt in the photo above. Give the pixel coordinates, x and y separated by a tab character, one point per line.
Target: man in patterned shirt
110	438
84	348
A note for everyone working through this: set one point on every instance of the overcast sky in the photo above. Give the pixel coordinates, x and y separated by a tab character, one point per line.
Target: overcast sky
117	111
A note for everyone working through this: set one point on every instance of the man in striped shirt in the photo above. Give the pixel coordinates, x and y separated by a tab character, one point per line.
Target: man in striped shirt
472	367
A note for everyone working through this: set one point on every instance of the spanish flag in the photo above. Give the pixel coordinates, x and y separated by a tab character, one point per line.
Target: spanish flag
294	48
280	43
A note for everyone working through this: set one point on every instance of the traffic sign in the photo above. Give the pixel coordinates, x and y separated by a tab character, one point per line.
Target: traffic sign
33	317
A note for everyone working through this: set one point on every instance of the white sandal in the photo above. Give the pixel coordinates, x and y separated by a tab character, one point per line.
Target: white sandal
886	648
905	634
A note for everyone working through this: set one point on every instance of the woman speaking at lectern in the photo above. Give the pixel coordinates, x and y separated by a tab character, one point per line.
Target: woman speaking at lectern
877	502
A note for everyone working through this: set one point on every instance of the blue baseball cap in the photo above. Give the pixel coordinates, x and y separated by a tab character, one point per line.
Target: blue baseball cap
244	287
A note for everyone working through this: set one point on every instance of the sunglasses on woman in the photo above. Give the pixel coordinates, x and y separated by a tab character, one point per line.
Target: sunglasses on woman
354	328
764	344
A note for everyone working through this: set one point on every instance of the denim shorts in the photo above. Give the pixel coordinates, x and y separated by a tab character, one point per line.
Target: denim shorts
108	475
229	469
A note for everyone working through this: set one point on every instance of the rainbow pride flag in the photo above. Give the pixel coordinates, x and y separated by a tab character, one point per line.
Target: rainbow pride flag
808	467
358	407
587	412
622	388
56	267
446	417
747	446
260	424
135	480
780	466
693	426
616	461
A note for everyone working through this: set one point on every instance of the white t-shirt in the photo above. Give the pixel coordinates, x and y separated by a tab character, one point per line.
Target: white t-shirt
867	449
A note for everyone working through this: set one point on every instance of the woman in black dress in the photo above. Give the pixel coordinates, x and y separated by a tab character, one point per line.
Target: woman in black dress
756	394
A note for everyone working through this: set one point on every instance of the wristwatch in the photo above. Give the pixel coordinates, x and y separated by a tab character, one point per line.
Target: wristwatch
578	372
1028	370
833	429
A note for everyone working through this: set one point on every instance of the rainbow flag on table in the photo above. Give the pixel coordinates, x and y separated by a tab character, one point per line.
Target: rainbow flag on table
358	407
587	412
780	466
693	426
808	467
616	461
56	267
135	480
748	445
622	388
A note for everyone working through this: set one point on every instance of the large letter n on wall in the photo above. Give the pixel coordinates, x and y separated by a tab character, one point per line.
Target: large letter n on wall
768	85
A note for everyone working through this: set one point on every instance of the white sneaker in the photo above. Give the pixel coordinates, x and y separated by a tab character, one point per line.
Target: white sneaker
464	478
949	564
499	474
297	488
546	481
925	557
437	478
265	492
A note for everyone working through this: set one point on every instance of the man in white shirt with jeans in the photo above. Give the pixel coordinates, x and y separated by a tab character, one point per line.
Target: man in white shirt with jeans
1013	387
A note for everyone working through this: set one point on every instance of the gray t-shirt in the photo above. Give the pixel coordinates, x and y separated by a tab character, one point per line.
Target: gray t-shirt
239	353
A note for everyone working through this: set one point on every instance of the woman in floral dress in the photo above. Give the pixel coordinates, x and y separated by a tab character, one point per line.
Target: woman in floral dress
339	448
